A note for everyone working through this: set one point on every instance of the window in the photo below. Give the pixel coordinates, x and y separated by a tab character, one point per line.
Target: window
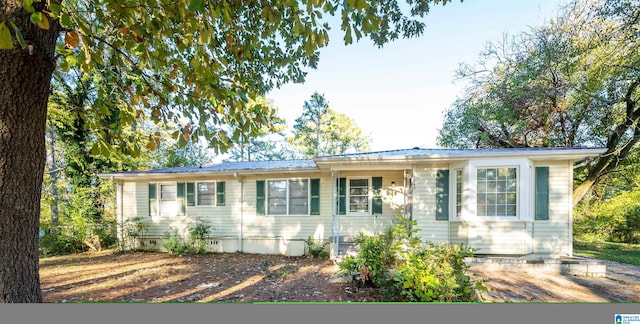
497	192
459	193
287	197
358	196
168	205
206	193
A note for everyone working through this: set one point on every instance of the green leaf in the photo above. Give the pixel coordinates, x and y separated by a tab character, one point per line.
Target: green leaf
28	6
36	17
65	21
196	5
5	37
55	8
19	36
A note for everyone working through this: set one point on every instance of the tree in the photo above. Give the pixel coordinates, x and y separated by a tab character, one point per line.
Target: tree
196	60
572	82
323	131
79	205
269	144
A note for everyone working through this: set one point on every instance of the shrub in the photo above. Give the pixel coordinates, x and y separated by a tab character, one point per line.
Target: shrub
396	263
196	243
174	243
317	250
134	230
198	235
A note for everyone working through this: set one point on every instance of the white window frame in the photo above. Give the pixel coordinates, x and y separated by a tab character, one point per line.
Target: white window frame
159	199
369	194
517	193
458	194
524	188
287	196
197	193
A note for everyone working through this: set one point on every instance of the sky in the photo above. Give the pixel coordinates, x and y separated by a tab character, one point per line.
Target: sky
398	94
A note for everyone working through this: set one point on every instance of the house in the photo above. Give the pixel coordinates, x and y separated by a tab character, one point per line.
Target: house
500	201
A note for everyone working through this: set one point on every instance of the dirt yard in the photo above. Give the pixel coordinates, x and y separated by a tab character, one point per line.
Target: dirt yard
233	278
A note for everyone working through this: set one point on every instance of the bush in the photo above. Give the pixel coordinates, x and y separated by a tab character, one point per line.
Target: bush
134	230
196	243
317	249
615	219
175	244
396	263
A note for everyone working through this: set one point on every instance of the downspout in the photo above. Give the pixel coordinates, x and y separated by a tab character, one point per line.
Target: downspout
335	207
570	186
119	214
241	225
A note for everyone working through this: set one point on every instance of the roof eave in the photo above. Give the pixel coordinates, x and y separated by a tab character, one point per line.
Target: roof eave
188	174
572	155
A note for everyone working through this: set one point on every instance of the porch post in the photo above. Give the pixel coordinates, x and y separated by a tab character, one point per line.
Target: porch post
335	216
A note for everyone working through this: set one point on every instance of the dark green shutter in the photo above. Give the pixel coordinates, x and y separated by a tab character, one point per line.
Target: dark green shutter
153	198
260	199
191	194
182	210
342	196
376	183
442	195
542	193
220	193
315	196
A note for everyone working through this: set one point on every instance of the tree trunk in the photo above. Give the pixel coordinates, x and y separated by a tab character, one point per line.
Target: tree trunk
25	75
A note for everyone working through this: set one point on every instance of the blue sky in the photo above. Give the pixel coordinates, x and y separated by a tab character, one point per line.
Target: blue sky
397	94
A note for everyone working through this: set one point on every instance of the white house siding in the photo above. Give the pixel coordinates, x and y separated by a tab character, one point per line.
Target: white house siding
392	205
458	233
424	205
553	236
499	237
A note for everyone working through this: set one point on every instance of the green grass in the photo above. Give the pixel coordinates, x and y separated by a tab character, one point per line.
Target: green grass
624	253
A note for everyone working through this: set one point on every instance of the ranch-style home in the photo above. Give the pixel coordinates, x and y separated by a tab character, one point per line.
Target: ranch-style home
514	202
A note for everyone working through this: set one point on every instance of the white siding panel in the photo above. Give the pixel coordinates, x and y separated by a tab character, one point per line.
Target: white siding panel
553	236
424	206
498	237
458	233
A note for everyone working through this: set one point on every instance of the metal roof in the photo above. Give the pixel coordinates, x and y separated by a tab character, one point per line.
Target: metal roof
403	155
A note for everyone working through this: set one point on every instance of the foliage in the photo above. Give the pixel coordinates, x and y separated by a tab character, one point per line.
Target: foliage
435	273
322	131
174	155
571	82
76	226
194	243
615	219
195	64
175	244
403	269
198	234
618	252
133	233
317	250
269	144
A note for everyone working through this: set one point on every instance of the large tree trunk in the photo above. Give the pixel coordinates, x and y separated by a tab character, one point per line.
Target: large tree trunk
25	75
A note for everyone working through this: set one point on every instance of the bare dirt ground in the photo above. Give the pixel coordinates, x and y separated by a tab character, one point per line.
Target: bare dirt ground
246	278
621	284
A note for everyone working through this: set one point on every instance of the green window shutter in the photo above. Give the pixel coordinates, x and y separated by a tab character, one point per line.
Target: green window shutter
191	194
442	195
260	198
153	198
220	193
342	196
542	193
182	210
376	183
315	196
